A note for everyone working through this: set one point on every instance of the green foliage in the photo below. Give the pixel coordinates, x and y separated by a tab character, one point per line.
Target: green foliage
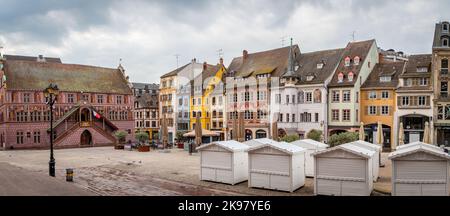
338	139
290	138
179	135
141	136
314	135
120	135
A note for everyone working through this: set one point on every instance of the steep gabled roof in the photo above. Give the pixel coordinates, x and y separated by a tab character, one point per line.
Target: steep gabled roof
308	65
391	69
175	72
36	76
353	49
273	62
31	58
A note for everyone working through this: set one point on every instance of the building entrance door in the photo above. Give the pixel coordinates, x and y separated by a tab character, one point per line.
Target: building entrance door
86	138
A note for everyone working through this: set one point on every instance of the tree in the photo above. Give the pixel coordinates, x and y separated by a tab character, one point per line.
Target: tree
121	135
338	139
141	136
290	138
314	135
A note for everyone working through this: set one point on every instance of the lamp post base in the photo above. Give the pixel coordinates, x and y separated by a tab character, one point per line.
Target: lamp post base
51	166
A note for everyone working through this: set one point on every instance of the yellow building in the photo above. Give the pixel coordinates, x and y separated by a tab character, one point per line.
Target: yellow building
201	88
378	101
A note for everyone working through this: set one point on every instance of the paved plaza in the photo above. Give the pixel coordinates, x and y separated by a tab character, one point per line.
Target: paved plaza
105	171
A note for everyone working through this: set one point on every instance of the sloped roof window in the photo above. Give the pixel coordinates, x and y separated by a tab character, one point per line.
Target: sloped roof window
340	77
385	79
356	60
422	69
319	65
350	76
347	61
309	77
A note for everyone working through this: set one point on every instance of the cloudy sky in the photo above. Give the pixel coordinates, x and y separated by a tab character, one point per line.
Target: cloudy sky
147	35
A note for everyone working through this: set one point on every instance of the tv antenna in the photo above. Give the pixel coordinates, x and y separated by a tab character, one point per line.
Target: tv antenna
177	57
353	35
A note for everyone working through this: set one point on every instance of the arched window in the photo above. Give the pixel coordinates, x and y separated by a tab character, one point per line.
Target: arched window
356	60
317	96
347	61
445	42
340	77
350	76
445	27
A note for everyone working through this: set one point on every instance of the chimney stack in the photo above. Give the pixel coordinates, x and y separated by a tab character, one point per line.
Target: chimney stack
380	57
245	54
205	65
221	61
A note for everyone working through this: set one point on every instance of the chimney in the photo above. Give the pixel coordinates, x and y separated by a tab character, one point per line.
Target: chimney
380	57
221	61
41	58
205	65
245	54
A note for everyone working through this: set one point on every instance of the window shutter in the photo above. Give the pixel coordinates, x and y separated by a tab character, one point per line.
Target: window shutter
378	110
366	110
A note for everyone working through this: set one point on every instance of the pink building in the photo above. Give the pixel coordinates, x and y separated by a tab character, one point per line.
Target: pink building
84	92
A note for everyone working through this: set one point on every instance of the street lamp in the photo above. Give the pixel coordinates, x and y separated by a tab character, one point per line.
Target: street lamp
51	93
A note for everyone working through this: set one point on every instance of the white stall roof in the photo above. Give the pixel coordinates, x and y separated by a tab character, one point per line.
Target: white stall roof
310	142
349	148
368	144
281	146
230	145
414	147
261	141
417	143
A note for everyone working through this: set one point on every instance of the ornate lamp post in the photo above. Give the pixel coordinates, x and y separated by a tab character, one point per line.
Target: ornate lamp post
51	93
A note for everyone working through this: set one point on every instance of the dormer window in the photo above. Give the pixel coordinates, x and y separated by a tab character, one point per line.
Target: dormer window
385	79
296	67
422	69
350	76
445	42
356	60
340	77
347	61
320	65
309	77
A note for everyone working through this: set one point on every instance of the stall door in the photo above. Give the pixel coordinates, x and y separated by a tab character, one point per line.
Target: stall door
432	172
216	166
270	171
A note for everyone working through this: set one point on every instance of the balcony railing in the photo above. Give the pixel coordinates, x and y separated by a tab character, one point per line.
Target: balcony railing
444	71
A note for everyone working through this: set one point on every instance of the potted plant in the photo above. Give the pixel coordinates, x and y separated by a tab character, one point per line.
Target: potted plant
120	135
142	137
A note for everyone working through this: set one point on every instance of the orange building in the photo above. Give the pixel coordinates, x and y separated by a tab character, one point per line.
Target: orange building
378	101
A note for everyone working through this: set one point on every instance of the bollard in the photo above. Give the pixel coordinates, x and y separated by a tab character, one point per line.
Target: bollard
69	175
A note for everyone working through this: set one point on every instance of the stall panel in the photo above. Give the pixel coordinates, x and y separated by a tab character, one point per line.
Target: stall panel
280	182
407	189
434	190
347	167
328	187
225	176
216	159
208	174
421	170
260	180
353	188
270	163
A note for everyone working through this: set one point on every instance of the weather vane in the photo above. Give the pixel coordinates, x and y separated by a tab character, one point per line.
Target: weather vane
177	56
220	53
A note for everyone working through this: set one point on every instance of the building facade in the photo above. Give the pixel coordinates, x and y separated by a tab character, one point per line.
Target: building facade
414	99
169	85
93	102
358	60
146	108
378	101
441	78
249	81
183	109
304	97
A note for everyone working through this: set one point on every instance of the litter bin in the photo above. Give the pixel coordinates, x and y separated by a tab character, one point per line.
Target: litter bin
69	175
